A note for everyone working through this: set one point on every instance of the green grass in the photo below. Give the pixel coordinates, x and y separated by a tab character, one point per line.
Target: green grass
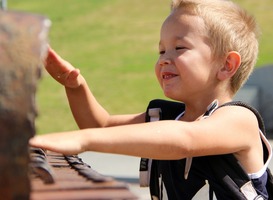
114	43
263	12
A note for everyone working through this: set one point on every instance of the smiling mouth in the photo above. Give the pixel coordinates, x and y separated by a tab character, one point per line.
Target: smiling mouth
168	76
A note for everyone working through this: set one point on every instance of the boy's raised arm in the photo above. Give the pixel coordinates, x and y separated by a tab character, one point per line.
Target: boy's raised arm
87	112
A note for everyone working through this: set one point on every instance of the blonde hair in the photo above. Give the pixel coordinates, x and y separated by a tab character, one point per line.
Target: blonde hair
229	28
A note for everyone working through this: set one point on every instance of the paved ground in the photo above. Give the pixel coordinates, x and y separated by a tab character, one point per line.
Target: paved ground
126	169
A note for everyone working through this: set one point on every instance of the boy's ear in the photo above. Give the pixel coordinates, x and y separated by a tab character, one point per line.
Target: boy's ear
231	65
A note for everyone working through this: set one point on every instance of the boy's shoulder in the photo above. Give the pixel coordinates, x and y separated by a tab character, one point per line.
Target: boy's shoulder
245	105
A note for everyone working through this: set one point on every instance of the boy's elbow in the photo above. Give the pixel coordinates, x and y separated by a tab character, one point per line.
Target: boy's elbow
182	147
183	152
185	145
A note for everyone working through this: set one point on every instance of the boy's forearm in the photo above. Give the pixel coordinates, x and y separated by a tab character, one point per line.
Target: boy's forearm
87	112
149	140
157	140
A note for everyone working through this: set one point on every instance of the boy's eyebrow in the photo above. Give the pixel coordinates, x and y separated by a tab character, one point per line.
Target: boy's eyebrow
177	38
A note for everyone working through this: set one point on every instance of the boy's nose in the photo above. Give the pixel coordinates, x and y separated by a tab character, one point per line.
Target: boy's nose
165	60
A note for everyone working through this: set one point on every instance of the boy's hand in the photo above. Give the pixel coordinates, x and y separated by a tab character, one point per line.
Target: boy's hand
62	71
68	143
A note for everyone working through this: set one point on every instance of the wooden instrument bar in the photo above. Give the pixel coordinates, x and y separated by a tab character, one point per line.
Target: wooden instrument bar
61	177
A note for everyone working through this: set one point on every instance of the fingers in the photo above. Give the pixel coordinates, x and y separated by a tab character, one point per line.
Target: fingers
57	142
35	142
52	58
56	65
73	74
71	79
61	70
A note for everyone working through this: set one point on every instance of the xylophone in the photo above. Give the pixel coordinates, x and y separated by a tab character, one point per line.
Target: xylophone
55	176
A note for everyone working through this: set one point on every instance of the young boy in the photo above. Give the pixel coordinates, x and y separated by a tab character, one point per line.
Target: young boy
207	50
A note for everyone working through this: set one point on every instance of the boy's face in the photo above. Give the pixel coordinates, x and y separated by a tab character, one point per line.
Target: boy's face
184	67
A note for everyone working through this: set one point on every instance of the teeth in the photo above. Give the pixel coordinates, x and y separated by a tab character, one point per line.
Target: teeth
168	76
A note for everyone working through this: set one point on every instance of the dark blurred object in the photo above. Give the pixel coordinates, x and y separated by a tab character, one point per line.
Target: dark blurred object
85	170
39	165
258	92
23	43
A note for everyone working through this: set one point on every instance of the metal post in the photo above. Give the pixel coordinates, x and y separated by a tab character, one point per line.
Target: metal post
3	4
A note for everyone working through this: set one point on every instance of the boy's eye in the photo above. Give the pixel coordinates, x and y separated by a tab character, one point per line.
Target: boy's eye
178	48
